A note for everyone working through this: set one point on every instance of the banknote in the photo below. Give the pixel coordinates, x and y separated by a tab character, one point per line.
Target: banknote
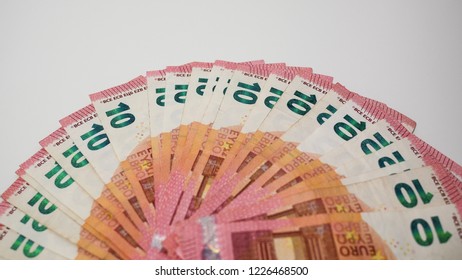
176	89
194	104
429	233
427	186
124	114
156	102
89	136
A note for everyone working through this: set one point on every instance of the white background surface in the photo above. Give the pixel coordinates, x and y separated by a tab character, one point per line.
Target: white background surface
54	53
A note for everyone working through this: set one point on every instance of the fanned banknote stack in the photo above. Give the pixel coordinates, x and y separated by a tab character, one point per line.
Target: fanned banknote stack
230	160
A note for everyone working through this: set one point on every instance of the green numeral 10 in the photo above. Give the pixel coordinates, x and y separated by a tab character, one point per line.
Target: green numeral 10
301	106
60	181
425	238
121	119
77	160
247	96
347	130
44	206
97	140
27	250
410	200
180	97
